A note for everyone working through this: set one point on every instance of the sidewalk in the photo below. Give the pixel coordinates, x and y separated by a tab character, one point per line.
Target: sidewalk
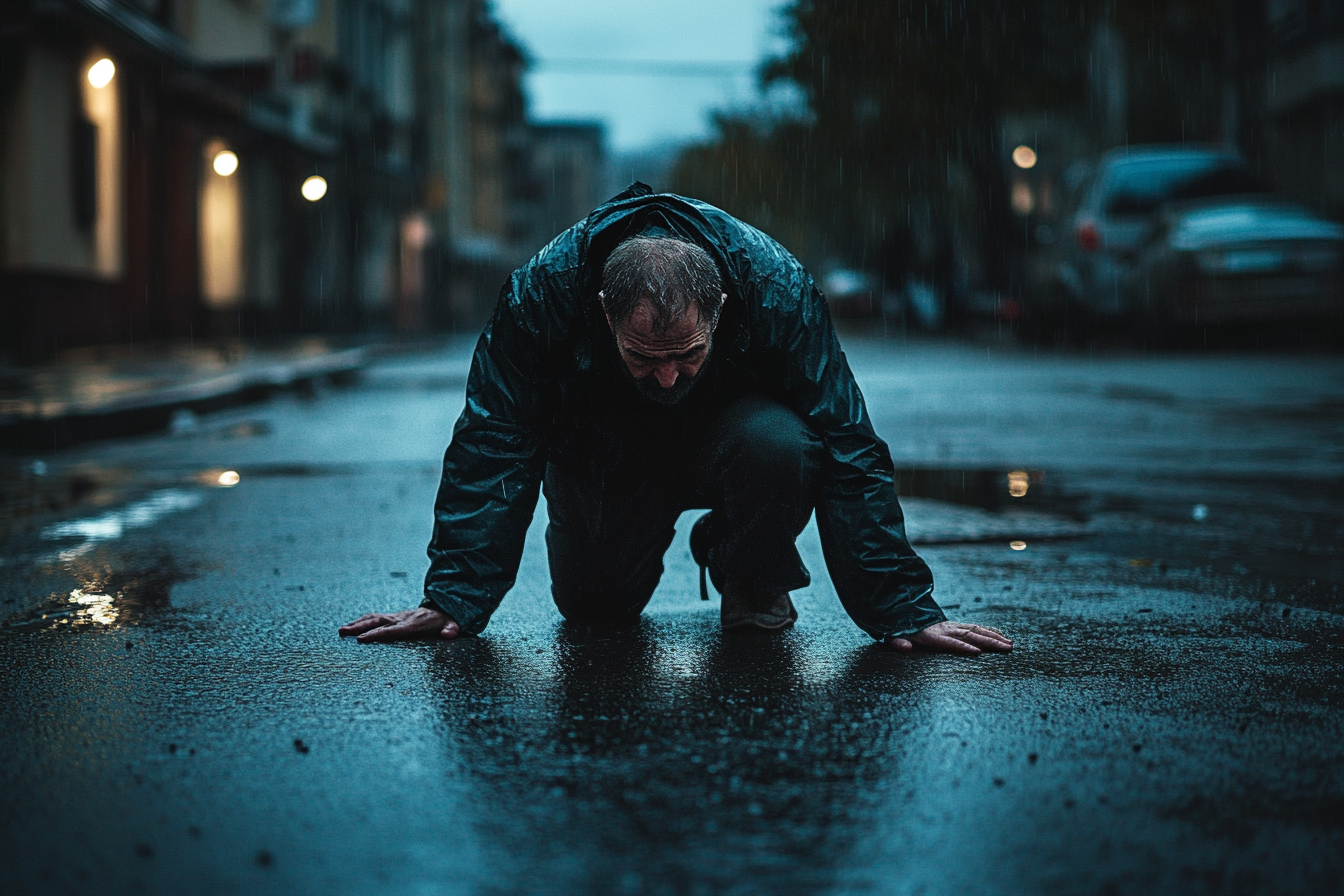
120	391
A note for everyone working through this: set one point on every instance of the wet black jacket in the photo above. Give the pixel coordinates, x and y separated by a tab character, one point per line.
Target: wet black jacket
774	335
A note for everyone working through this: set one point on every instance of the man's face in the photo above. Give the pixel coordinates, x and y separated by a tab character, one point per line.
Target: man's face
664	366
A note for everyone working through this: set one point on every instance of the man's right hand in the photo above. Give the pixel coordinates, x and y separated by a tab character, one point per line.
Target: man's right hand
419	623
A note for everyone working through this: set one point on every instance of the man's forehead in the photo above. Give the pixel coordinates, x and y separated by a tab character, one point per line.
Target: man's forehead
683	332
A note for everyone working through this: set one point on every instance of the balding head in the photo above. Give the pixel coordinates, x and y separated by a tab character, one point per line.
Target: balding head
671	275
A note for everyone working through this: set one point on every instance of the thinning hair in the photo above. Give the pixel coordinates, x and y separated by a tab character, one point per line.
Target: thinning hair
671	274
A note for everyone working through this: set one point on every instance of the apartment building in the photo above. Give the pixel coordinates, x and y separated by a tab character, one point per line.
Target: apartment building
206	169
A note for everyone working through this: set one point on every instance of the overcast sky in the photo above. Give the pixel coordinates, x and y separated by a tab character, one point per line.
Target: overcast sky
651	70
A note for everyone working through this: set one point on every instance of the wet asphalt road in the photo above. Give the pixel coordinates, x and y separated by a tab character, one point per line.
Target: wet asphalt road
178	715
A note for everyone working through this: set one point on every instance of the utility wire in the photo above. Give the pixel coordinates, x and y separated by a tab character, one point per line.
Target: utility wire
664	67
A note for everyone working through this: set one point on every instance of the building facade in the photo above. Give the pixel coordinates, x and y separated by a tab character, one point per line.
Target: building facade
206	169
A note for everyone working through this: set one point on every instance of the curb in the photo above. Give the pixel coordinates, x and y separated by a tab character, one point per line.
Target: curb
62	425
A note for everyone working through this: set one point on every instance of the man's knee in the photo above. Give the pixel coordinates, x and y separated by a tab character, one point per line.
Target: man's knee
607	579
593	601
765	438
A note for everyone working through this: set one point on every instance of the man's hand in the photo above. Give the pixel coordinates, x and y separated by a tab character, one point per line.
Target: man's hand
952	637
419	623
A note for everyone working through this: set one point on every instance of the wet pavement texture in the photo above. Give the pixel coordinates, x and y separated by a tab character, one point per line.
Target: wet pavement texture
1160	536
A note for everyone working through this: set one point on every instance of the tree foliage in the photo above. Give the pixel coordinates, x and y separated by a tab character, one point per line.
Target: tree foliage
905	102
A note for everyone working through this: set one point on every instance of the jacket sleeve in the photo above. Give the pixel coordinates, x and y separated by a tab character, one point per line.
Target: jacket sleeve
492	469
882	583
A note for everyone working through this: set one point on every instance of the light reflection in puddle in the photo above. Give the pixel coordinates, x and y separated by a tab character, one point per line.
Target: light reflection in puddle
97	608
113	591
114	524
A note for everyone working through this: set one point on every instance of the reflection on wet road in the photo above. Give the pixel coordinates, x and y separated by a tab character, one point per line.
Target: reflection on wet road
174	697
112	525
656	760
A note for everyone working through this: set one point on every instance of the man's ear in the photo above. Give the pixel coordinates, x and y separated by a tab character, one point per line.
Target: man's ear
723	297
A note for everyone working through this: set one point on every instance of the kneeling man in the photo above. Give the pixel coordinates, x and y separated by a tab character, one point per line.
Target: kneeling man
657	357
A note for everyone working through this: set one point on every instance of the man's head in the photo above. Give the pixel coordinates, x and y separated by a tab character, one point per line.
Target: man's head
662	298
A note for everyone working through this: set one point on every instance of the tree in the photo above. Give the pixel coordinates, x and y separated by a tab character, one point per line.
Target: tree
906	100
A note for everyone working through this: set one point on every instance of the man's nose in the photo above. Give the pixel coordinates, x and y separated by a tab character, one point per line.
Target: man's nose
666	374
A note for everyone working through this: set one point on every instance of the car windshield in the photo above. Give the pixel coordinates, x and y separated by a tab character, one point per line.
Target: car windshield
1138	187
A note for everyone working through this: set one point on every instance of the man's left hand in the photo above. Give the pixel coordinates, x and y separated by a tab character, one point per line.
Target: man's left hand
952	637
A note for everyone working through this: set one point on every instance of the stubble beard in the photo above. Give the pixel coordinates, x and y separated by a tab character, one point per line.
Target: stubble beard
649	388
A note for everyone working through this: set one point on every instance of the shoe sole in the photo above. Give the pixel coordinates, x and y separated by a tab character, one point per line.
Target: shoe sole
753	625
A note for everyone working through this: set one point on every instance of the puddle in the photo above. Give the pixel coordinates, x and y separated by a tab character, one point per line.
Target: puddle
31	491
993	490
106	597
112	525
1016	507
267	471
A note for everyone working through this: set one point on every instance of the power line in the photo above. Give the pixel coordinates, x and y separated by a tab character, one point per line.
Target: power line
663	67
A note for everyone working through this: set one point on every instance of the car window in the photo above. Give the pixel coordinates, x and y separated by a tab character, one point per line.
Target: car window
1138	187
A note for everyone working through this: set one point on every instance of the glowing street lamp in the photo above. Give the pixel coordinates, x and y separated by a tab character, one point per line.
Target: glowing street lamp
225	163
314	188
101	72
1024	157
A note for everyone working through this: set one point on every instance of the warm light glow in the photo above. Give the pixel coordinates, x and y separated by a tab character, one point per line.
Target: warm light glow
1017	483
1024	157
1022	199
229	478
225	163
101	72
1018	545
220	227
94	608
314	188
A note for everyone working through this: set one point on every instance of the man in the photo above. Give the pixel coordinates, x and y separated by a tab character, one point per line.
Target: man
657	357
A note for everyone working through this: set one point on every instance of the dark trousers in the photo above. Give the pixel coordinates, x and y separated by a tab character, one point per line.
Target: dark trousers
613	505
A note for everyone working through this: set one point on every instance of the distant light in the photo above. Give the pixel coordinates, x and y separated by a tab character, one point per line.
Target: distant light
101	72
1018	481
1022	199
229	478
225	163
314	188
1018	545
1024	157
1200	513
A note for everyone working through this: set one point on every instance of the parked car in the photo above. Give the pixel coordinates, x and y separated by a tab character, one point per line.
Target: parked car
1114	208
1237	260
851	293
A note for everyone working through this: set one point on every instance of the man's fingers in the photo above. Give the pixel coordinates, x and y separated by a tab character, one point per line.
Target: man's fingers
364	623
387	633
991	633
986	642
952	637
928	642
450	631
934	641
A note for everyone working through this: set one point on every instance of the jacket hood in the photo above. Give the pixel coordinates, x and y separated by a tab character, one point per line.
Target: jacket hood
638	211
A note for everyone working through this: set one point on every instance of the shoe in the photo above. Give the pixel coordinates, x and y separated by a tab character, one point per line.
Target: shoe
759	611
702	544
